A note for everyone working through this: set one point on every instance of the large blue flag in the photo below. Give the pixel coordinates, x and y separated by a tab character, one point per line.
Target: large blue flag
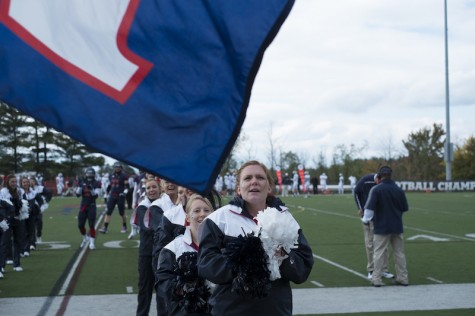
162	85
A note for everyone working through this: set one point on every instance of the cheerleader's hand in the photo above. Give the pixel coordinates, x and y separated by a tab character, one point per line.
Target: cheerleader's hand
43	207
281	255
4	225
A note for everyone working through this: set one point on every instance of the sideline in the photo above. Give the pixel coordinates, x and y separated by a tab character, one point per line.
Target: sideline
306	301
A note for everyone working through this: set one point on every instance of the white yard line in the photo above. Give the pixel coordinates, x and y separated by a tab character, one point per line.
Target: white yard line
317	283
340	266
405	226
434	280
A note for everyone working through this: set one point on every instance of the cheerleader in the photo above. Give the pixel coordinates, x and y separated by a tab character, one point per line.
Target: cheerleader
34	203
233	254
145	267
177	275
15	235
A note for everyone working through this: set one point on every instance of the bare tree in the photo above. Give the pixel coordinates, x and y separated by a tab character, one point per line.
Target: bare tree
247	147
387	148
272	154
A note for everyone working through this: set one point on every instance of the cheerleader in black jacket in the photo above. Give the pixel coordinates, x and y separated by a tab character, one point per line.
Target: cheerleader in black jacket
5	209
34	203
145	267
249	279
13	194
177	275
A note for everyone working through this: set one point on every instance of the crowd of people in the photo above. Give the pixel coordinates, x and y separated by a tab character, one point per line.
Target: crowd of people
204	258
201	257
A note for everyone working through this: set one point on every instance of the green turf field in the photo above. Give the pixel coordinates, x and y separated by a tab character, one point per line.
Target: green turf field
439	233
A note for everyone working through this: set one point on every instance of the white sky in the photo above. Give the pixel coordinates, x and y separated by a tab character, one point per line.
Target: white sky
344	72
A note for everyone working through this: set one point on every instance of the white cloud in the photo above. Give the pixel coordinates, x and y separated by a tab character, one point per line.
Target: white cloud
363	71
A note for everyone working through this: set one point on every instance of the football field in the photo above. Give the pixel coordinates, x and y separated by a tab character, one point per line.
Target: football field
440	251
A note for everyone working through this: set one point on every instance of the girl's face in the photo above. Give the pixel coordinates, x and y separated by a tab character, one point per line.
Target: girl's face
198	211
169	187
25	184
152	190
254	186
12	183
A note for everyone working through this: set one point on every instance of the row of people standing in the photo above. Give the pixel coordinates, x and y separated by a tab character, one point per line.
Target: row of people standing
198	257
226	184
21	208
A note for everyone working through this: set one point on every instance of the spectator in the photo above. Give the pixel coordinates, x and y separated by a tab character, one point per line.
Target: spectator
341	180
307	183
362	188
352	183
386	204
295	183
314	182
323	182
59	184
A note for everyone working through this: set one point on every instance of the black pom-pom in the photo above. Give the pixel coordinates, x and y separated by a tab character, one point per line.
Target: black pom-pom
248	260
191	291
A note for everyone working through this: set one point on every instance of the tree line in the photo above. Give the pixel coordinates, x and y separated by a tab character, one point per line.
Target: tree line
421	160
28	145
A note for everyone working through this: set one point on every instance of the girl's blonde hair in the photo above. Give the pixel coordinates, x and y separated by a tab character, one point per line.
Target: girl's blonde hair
194	197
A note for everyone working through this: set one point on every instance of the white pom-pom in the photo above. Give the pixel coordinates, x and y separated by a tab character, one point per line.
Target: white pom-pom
279	231
24	213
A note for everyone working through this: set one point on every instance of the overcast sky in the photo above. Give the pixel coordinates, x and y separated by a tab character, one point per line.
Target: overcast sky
344	72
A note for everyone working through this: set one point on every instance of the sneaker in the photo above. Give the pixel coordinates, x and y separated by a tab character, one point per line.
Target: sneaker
377	284
103	230
387	275
85	239
25	254
123	230
134	231
92	246
1	275
39	240
18	269
9	261
370	275
32	247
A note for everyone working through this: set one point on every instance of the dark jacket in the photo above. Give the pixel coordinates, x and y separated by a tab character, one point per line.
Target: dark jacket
362	188
225	225
388	201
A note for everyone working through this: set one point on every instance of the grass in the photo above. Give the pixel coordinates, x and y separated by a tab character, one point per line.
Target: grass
330	224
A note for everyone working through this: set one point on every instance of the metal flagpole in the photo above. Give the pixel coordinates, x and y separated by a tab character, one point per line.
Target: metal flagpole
448	146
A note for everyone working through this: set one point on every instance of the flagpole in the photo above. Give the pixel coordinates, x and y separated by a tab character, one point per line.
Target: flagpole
448	145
